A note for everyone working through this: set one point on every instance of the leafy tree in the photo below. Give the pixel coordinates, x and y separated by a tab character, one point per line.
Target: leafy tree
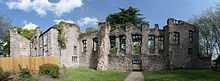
91	29
209	26
129	15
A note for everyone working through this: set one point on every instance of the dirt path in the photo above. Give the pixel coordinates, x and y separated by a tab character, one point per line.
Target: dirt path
135	76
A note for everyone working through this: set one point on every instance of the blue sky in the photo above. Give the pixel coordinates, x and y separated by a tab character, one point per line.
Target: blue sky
45	13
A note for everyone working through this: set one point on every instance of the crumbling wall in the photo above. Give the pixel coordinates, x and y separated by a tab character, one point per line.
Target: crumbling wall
69	56
19	45
88	54
104	46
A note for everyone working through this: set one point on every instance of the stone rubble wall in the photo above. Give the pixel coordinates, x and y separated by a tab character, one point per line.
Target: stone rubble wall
19	45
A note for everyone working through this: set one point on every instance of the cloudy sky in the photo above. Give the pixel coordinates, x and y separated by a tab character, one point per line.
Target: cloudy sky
86	13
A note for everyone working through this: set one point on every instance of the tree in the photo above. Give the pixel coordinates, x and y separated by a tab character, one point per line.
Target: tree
130	15
4	36
209	26
91	29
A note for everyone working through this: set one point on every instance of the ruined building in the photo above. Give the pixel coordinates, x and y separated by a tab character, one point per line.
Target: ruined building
128	47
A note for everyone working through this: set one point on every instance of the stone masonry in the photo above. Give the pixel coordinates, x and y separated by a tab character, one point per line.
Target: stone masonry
130	47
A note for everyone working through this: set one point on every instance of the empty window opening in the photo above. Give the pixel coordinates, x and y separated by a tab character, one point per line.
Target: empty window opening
190	36
122	39
161	43
113	41
190	51
151	43
84	42
136	38
136	46
176	38
95	43
74	59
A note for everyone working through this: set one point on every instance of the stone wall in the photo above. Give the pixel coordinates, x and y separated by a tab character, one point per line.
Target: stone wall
184	54
88	55
70	55
94	49
19	45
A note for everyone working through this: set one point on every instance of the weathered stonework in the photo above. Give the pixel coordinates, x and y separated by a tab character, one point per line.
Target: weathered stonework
139	47
19	45
104	47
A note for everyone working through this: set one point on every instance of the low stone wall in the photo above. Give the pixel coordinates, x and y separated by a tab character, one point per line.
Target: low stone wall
153	62
120	63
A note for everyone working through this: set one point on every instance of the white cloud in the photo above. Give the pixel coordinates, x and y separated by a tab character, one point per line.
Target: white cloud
30	26
59	20
43	6
87	21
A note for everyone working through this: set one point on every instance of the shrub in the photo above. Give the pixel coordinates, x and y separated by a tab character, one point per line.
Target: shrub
24	74
51	70
4	76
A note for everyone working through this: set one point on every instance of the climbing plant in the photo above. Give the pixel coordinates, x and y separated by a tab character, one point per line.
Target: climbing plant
61	35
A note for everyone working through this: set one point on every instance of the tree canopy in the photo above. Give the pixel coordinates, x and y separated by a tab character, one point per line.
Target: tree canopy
130	15
209	27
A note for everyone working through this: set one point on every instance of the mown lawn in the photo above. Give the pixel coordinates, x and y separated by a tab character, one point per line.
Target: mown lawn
93	75
182	75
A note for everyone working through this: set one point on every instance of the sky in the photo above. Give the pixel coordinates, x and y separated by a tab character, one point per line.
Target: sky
86	13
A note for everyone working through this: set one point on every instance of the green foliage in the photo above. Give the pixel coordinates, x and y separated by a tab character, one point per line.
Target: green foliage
208	25
61	35
4	76
26	33
136	48
24	74
51	70
182	75
113	51
83	74
5	46
130	15
91	29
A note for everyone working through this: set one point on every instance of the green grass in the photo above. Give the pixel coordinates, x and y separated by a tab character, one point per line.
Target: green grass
93	75
182	75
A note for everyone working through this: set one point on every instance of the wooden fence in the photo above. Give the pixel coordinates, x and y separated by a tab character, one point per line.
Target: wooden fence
32	63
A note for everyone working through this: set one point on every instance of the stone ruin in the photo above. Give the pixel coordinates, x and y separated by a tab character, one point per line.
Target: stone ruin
130	47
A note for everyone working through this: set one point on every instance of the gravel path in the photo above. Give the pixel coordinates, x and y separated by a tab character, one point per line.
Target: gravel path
135	76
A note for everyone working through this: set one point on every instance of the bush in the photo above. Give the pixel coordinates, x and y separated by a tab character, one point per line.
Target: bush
51	70
4	76
24	74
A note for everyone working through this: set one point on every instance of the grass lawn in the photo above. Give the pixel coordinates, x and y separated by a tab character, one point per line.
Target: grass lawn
182	75
93	75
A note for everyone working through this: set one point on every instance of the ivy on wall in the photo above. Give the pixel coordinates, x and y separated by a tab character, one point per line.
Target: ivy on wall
26	33
61	35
